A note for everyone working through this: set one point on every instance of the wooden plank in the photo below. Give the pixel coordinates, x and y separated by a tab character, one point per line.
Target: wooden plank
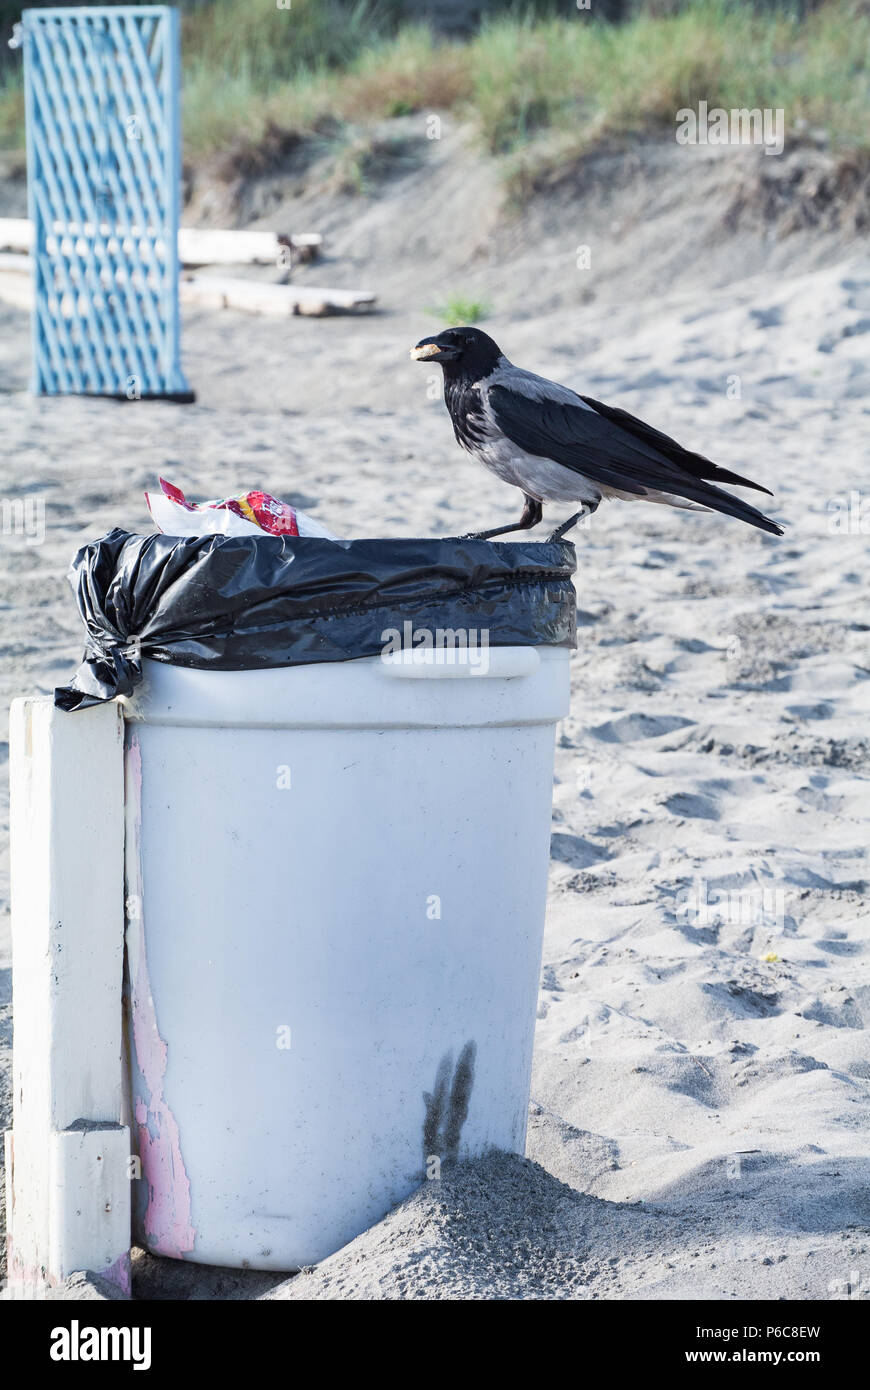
255	297
197	246
16	289
16	234
69	1188
89	1202
213	292
14	261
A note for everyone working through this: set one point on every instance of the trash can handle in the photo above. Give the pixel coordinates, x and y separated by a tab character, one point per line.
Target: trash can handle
434	663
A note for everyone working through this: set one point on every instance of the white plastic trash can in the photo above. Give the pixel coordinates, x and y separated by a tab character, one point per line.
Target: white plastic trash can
336	883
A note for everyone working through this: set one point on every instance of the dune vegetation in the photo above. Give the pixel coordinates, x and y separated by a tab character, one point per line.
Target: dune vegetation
535	85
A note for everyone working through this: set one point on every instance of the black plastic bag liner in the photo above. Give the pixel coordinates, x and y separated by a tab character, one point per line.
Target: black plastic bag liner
227	603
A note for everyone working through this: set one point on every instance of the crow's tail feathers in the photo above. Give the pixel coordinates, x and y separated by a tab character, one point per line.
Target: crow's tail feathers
719	501
724	475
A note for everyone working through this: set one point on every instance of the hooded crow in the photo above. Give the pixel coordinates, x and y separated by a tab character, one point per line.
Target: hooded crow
558	446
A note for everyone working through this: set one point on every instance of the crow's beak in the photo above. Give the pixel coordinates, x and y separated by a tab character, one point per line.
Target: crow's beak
434	347
424	350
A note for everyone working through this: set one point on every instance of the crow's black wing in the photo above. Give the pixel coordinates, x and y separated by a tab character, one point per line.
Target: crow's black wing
684	458
607	452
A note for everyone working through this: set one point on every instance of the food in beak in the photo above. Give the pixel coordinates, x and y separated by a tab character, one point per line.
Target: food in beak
424	350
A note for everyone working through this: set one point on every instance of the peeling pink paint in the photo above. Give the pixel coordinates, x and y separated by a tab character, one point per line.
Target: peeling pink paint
119	1274
34	1280
167	1222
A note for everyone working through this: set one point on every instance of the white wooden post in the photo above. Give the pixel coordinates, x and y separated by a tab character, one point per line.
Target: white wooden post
68	1153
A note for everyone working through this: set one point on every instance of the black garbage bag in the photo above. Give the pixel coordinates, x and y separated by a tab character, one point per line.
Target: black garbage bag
228	603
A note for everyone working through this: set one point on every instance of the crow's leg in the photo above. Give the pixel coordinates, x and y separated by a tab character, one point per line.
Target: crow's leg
532	513
586	510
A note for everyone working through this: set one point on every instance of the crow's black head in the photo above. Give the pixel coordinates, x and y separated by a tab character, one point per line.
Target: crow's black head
460	350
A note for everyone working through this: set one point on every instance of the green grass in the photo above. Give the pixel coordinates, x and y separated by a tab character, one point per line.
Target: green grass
392	77
559	79
248	65
565	83
540	91
264	45
457	310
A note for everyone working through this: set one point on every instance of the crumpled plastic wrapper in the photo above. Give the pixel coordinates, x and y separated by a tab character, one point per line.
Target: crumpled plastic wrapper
243	515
